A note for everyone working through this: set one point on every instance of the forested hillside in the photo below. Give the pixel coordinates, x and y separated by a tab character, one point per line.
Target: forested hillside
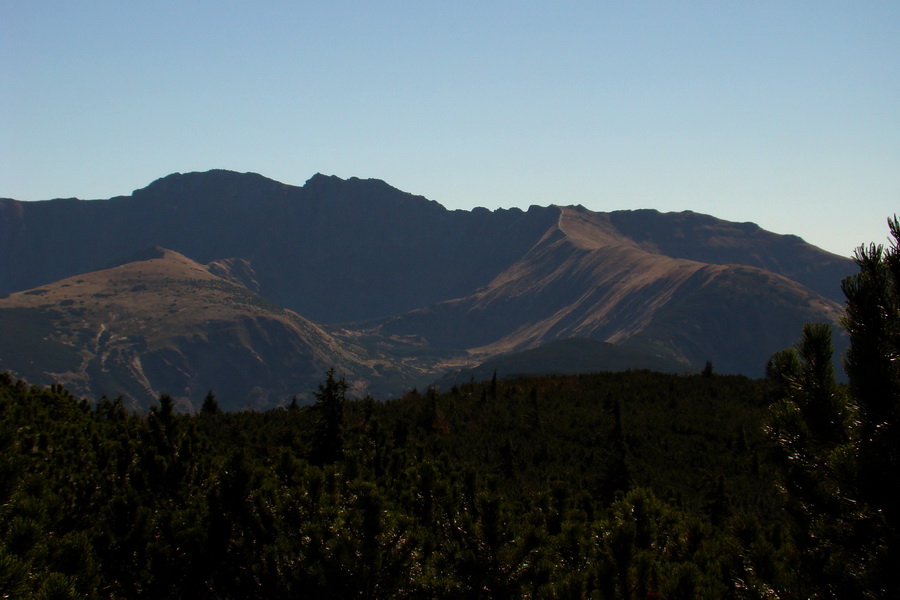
613	486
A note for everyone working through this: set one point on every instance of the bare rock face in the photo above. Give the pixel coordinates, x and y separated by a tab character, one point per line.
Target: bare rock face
235	270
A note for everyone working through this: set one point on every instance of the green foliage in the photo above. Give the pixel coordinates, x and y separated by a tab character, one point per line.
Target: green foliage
837	446
812	427
210	405
604	486
873	322
330	399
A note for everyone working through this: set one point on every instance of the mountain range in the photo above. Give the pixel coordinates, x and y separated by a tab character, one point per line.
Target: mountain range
239	284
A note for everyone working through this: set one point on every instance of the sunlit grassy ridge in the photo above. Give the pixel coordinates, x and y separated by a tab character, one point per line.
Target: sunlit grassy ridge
166	324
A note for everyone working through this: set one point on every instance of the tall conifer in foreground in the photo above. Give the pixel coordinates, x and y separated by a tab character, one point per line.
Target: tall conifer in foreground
326	444
839	448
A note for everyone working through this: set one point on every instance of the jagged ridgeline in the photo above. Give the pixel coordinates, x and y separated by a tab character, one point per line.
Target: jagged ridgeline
250	287
628	485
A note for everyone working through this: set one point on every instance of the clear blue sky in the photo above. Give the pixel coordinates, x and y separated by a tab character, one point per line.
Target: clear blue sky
782	113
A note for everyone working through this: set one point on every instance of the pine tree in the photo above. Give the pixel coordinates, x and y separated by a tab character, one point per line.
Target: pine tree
330	399
617	477
210	405
838	447
873	367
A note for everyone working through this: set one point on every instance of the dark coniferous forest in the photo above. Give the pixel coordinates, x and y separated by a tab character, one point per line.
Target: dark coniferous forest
627	485
615	485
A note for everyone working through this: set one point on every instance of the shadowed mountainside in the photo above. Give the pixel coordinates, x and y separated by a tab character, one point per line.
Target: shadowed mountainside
563	357
340	250
332	250
419	289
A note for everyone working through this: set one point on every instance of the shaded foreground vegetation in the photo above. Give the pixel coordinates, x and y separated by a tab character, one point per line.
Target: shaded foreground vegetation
628	485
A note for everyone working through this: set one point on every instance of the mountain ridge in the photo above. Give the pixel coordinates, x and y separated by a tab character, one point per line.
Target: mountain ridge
266	226
422	289
163	323
582	283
